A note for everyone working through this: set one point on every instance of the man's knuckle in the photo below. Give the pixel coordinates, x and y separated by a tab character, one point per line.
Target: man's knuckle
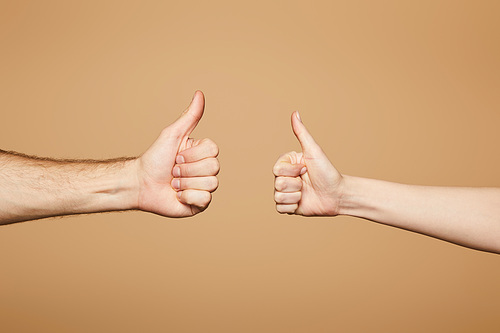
211	147
214	166
206	199
172	133
214	183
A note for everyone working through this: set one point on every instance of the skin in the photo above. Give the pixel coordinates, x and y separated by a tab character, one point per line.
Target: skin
308	184
175	177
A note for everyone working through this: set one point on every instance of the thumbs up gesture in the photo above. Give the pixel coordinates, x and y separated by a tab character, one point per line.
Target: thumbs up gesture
177	174
306	183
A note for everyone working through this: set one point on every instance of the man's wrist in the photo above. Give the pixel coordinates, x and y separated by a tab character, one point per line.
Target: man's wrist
112	185
126	185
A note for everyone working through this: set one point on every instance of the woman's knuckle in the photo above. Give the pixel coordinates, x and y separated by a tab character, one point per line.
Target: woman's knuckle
280	184
277	169
297	195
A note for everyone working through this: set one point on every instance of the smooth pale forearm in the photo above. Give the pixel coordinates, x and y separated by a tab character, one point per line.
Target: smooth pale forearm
465	216
34	188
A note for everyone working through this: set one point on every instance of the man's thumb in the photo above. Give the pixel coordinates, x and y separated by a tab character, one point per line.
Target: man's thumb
187	122
309	146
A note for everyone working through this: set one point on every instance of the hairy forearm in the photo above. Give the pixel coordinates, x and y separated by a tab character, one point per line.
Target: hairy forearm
33	188
465	216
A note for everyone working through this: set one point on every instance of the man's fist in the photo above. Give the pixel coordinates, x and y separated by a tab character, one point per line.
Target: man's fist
177	174
306	183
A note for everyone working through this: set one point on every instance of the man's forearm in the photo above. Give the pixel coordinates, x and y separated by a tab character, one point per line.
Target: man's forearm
466	216
34	188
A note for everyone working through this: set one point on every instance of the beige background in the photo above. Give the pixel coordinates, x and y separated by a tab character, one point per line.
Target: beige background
406	91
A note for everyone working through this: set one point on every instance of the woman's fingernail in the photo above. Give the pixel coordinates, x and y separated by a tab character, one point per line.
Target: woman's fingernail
179	159
176	184
179	195
303	170
177	171
298	116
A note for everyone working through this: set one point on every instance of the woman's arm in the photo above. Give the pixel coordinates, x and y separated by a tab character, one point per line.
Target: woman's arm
308	184
465	216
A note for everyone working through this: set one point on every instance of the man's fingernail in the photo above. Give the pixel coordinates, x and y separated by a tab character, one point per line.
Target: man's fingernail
303	170
179	159
177	171
179	195
298	116
176	184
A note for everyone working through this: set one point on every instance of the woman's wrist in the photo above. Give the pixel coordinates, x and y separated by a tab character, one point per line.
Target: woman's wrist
355	197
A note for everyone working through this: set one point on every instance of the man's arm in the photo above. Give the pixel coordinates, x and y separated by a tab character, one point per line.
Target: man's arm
174	178
33	188
308	184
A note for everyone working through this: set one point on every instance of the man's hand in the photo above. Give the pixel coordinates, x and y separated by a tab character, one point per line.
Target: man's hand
174	177
306	183
177	174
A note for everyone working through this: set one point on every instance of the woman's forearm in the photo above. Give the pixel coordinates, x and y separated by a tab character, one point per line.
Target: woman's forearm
465	216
